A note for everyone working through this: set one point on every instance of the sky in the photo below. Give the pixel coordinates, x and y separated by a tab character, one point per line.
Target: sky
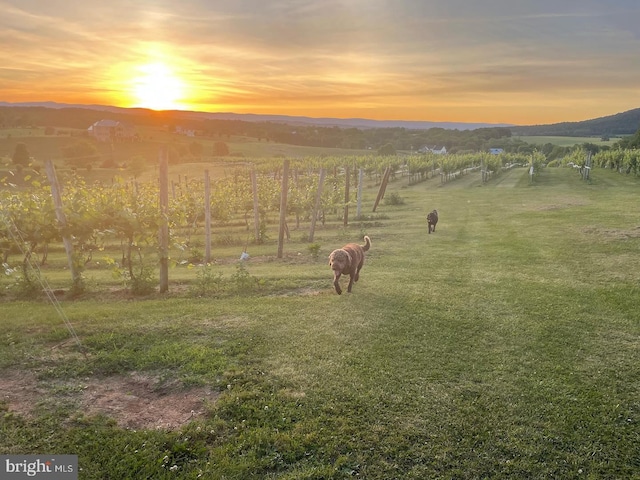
520	62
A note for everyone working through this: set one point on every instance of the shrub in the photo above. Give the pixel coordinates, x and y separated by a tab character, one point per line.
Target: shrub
241	280
207	282
314	250
394	199
21	155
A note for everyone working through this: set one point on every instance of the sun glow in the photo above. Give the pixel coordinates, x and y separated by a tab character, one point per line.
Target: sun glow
158	87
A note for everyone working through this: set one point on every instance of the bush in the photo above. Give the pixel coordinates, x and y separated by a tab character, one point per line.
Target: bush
241	281
220	149
314	250
394	199
207	282
80	154
21	155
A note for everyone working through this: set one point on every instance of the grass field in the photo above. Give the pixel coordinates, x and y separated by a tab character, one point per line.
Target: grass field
43	147
504	345
565	141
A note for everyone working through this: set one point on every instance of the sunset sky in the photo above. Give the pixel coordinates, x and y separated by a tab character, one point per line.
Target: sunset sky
497	61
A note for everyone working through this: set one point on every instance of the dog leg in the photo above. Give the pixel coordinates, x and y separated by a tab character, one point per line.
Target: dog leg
336	283
351	280
357	277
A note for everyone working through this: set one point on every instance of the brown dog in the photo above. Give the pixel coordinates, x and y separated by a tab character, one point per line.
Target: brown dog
348	260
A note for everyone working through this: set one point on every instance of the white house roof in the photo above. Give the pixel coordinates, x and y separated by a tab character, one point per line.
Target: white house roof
106	123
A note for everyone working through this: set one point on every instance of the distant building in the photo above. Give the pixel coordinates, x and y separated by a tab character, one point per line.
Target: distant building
111	131
435	149
496	151
185	131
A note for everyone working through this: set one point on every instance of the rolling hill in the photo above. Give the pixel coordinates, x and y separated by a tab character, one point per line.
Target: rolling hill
180	115
624	123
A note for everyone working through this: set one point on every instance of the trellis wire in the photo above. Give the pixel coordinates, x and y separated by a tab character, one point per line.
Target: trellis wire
16	236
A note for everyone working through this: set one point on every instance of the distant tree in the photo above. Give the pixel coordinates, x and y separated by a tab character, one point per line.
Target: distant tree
196	149
136	165
526	148
21	155
632	141
220	149
175	154
591	147
558	152
387	149
80	154
547	148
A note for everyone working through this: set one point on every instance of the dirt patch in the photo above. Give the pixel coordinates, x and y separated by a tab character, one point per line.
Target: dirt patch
20	392
136	401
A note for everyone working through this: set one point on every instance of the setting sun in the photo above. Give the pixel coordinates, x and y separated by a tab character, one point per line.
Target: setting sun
157	87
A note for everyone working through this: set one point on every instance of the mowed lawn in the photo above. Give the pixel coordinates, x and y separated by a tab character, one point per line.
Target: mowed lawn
504	345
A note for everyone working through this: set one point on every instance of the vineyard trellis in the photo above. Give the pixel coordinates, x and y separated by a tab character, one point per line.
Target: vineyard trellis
125	215
623	161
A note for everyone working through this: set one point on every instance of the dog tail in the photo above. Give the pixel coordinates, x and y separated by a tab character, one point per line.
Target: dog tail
367	243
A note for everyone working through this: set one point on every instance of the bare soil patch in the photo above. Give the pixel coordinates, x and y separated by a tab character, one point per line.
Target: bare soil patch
136	401
20	391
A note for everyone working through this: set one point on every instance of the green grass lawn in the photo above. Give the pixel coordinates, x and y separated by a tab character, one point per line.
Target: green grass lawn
504	345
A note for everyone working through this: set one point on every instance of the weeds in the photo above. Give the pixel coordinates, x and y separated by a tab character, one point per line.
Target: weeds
208	282
314	250
394	198
241	280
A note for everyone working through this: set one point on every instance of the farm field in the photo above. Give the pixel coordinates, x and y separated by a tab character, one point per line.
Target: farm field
504	345
43	147
565	141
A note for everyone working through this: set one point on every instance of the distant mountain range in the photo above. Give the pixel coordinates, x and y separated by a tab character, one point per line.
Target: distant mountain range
291	120
625	123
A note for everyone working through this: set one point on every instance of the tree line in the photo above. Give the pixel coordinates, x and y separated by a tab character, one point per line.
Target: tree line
381	140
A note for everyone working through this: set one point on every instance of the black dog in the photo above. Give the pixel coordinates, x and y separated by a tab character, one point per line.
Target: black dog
432	220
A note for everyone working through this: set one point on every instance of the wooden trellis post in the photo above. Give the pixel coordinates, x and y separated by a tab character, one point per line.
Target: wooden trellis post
347	176
207	217
163	236
316	206
62	219
383	187
359	201
256	206
283	206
